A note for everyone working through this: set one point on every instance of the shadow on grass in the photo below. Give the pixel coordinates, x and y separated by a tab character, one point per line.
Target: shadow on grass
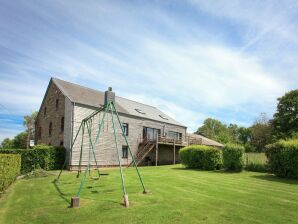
271	177
61	194
221	171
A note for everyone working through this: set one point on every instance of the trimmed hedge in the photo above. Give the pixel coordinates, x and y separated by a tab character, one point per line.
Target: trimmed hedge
233	157
10	166
283	158
200	157
41	156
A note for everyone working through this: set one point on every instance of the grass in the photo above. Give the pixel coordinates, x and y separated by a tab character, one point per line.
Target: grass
258	158
256	162
177	195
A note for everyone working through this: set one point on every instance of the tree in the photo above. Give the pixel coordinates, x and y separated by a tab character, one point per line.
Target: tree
7	144
216	130
261	133
29	123
285	120
20	140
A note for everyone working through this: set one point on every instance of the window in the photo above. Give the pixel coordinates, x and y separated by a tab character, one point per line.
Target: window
140	111
50	129
163	117
124	151
39	133
62	124
125	128
61	143
151	133
57	104
174	135
45	111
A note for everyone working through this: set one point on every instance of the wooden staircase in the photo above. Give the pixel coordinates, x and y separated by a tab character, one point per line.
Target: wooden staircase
144	148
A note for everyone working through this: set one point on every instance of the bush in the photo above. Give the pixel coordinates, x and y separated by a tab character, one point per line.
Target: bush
233	157
200	157
283	158
41	156
10	166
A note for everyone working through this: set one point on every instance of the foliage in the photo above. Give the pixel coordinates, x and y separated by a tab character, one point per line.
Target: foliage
215	130
233	157
36	174
200	157
283	158
41	156
29	123
18	142
261	133
285	120
10	166
7	144
256	162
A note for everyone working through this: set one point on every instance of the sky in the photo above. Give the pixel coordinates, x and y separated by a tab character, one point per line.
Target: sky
229	60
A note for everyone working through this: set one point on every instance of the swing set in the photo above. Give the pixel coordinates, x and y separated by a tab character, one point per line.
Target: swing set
87	123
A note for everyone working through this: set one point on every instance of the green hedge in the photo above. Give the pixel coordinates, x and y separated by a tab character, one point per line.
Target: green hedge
283	158
10	166
233	157
200	157
41	156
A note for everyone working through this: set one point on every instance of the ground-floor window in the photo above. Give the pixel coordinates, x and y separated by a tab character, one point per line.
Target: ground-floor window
124	151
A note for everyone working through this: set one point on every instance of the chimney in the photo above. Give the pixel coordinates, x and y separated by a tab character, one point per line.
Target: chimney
109	96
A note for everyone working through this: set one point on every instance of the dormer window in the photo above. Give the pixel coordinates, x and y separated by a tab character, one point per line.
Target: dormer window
163	117
140	111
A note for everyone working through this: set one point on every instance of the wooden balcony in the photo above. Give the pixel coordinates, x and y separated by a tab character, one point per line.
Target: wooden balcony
178	142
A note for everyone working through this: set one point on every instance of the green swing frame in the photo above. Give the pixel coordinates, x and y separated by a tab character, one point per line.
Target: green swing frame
87	123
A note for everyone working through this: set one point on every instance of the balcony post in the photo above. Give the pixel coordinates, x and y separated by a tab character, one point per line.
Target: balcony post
174	152
156	152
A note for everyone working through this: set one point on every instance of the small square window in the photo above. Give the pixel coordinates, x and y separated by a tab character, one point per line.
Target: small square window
124	151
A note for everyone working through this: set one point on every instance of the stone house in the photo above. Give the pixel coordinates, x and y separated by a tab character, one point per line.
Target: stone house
155	138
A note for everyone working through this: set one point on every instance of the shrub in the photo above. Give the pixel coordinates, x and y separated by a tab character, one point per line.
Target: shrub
10	166
283	158
233	157
41	156
200	157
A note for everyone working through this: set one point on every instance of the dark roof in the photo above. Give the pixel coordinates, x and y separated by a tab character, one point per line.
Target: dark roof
86	96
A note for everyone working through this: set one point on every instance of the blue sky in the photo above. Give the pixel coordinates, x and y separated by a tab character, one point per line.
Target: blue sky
228	60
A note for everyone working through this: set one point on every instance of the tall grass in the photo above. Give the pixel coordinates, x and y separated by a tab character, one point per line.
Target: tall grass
256	162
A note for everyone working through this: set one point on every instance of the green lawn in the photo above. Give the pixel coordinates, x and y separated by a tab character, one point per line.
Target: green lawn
177	196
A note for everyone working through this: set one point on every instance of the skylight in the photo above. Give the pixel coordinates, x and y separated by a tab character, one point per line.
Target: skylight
163	117
140	111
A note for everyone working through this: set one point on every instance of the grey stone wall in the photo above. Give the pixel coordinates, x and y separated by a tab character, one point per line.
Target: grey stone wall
53	115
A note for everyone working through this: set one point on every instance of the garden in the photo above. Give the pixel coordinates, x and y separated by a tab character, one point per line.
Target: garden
212	186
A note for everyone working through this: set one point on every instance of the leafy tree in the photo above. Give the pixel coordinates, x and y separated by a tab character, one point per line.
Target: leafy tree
285	120
29	123
7	144
261	133
20	140
216	130
234	133
244	135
